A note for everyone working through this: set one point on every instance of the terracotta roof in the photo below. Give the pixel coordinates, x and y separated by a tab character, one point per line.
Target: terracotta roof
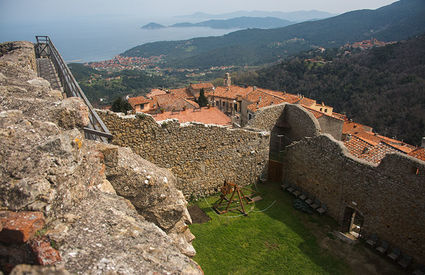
418	153
307	101
262	98
170	102
138	100
340	116
370	152
199	86
376	138
351	127
316	113
204	115
193	103
181	93
155	92
229	92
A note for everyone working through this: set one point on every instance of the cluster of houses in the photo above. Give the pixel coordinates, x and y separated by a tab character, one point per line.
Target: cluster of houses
232	105
119	63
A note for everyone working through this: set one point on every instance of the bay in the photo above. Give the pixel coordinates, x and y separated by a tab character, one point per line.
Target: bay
97	39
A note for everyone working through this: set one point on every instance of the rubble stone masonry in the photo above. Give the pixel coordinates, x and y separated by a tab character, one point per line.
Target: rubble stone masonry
200	156
389	196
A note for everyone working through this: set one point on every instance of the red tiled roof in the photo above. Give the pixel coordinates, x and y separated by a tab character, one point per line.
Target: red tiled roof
350	127
307	101
418	153
138	100
267	99
375	138
193	103
370	152
316	113
199	86
169	102
340	116
204	115
155	92
181	93
229	92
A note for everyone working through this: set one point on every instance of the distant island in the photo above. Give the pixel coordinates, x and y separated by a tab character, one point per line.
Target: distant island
153	26
294	16
243	22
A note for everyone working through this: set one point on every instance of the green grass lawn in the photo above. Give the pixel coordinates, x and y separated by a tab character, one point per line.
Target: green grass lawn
272	239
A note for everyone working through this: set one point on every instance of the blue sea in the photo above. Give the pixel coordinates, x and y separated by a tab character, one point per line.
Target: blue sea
94	39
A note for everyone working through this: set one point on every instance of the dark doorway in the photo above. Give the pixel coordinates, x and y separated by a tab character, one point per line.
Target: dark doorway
352	222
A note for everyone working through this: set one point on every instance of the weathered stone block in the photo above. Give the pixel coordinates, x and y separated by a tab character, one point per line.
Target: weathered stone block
19	227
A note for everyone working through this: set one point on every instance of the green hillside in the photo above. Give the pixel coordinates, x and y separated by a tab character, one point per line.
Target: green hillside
394	22
383	87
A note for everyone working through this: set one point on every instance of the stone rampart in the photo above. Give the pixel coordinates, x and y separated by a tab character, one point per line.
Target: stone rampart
389	196
200	156
265	118
51	173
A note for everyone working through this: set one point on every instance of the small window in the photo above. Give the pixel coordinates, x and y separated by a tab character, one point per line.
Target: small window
249	116
326	110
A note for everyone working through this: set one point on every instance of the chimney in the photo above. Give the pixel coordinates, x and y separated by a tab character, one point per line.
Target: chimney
259	99
348	137
423	142
227	80
254	88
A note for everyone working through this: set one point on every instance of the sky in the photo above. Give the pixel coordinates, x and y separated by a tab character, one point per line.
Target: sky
45	10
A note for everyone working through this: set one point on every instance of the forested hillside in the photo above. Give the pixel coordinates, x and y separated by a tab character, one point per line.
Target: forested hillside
383	87
108	86
394	22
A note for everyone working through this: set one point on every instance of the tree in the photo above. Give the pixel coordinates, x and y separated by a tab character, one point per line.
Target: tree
121	105
202	100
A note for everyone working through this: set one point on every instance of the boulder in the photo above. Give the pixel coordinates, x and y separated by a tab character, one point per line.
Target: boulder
152	190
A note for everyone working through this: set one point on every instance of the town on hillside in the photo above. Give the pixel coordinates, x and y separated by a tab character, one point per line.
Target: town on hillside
235	106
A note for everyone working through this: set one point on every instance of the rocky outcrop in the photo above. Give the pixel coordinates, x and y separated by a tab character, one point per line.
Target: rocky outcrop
152	191
46	165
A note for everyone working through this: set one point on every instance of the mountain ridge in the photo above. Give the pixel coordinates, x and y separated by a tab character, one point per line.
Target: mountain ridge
393	22
295	16
243	22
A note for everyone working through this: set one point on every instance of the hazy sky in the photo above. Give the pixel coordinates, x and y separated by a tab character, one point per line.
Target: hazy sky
53	9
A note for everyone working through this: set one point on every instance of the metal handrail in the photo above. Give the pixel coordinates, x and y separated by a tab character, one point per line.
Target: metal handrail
96	129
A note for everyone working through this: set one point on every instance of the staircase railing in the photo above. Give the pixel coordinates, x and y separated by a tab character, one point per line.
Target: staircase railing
96	129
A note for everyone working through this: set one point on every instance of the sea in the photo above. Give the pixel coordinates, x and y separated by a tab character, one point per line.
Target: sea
95	39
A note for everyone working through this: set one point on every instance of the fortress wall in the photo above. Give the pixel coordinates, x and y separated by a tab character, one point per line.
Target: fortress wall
265	118
390	196
200	156
20	53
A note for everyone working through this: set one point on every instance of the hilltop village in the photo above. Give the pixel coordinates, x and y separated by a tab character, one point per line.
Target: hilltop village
235	106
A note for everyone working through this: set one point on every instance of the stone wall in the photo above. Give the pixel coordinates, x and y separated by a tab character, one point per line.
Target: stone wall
265	118
200	156
331	125
389	196
48	168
